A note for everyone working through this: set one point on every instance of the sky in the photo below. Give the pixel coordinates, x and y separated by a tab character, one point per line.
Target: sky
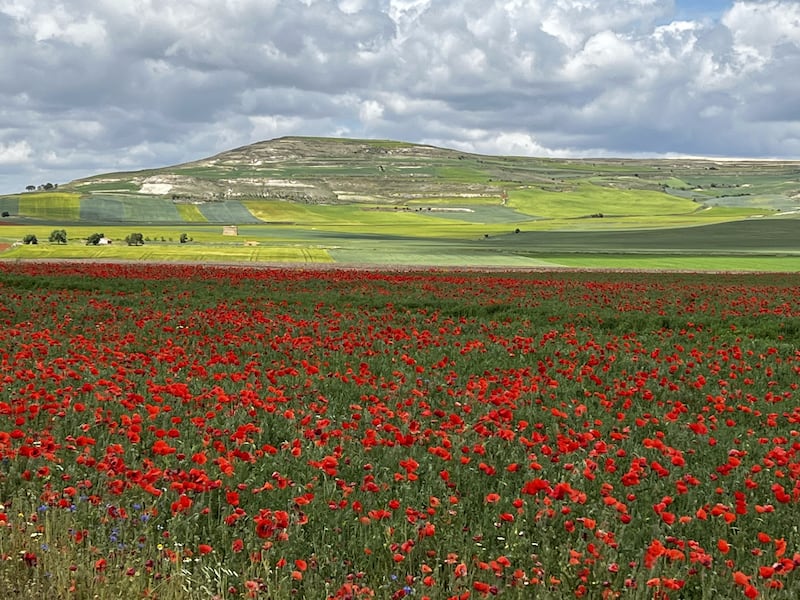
92	86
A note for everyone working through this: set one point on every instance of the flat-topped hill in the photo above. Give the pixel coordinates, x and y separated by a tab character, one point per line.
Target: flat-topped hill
395	203
327	170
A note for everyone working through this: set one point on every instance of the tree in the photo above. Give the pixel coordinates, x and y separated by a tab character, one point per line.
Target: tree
134	239
94	239
59	236
30	239
30	188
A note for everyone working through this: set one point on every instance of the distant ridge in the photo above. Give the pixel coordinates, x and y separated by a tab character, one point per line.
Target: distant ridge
343	170
306	169
363	201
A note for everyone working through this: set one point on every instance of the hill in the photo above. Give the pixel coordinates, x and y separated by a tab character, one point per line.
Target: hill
309	170
325	170
387	202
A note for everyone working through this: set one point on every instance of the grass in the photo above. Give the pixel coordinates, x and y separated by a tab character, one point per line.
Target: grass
227	212
76	233
162	252
455	201
149	209
188	432
753	236
489	215
462	174
680	263
355	218
103	209
9	204
110	186
366	250
430	256
587	199
56	206
191	213
410	239
393	199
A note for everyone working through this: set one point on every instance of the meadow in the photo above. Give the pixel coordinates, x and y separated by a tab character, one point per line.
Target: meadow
187	431
752	244
379	202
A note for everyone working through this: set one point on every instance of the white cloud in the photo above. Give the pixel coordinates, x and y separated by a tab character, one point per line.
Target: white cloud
97	85
514	143
573	21
15	153
370	112
268	127
758	27
605	54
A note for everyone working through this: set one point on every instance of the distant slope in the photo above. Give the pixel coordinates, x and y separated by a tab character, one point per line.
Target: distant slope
327	170
311	170
245	185
384	202
767	236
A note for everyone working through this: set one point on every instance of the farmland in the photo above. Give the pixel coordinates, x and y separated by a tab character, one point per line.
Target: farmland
179	431
374	202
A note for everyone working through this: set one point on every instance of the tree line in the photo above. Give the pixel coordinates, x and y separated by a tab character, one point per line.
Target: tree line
59	236
42	187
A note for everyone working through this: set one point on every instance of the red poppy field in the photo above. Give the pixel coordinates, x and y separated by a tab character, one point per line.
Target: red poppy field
195	432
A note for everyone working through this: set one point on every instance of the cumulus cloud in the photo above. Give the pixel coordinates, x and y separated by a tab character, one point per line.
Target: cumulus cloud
14	153
100	85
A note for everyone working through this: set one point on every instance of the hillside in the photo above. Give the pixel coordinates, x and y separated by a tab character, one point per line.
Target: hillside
323	170
309	170
376	202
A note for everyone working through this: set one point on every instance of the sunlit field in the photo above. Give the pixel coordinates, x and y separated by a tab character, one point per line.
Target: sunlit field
751	244
174	431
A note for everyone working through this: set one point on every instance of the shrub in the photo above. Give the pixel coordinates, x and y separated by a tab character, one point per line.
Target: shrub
134	239
59	236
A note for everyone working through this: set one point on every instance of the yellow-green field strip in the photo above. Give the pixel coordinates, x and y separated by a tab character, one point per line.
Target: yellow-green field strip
168	253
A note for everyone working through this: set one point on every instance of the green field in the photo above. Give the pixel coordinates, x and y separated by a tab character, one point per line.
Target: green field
226	212
55	206
190	213
588	199
754	244
380	202
776	235
162	252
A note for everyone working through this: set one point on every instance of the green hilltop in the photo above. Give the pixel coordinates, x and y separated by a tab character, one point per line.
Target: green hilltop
326	171
334	195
